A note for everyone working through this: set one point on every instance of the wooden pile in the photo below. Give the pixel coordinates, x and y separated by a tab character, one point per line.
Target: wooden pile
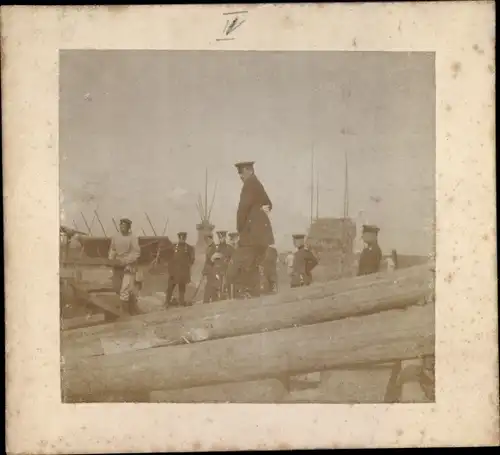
246	351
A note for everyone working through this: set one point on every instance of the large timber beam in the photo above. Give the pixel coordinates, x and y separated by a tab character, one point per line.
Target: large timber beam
384	337
119	330
246	319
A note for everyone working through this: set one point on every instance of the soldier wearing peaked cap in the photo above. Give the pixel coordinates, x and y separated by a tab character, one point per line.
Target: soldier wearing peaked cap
371	256
254	230
304	262
124	252
179	268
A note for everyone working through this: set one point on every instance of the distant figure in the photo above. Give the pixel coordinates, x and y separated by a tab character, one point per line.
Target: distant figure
179	269
369	260
303	263
227	252
207	272
254	230
392	261
123	254
289	263
215	279
270	272
233	239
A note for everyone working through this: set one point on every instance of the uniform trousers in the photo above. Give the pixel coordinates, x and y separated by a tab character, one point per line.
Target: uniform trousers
172	282
243	270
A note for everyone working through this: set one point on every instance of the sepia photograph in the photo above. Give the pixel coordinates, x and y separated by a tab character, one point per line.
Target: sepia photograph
276	227
251	227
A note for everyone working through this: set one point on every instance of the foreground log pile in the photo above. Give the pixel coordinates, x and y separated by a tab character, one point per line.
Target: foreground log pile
245	351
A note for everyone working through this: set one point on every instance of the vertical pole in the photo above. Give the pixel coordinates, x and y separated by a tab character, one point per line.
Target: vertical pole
206	193
312	184
115	225
317	195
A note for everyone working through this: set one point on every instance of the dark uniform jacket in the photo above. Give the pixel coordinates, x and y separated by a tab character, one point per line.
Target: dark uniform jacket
252	223
303	264
369	260
180	263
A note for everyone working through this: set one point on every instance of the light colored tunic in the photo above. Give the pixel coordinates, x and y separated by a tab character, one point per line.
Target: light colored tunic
126	250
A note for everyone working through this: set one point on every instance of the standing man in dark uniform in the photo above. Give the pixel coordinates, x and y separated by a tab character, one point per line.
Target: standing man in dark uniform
254	228
369	260
179	268
303	263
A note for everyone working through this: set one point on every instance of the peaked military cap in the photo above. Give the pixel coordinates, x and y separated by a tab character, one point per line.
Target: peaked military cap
370	228
244	164
233	235
221	233
182	234
298	236
125	221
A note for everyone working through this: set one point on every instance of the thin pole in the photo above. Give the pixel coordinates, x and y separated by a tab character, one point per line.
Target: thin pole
86	224
346	190
206	193
99	221
317	195
312	183
165	228
115	225
150	224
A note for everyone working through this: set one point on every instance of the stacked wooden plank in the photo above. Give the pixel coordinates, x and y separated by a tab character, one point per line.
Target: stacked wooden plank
359	321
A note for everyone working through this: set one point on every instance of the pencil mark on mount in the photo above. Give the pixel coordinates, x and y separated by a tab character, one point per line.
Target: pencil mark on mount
233	24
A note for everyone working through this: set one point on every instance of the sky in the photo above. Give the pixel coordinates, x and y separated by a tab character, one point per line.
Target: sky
137	129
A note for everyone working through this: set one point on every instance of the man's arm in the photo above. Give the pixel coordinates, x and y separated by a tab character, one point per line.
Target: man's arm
263	197
112	250
247	199
313	261
191	255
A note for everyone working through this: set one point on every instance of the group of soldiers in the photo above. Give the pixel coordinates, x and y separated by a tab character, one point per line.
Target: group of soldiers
244	266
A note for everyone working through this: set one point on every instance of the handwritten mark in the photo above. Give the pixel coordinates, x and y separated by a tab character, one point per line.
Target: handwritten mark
232	25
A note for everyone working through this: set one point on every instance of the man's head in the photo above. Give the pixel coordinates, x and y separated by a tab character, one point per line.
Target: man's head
370	234
125	226
222	235
298	240
182	237
209	239
233	238
245	169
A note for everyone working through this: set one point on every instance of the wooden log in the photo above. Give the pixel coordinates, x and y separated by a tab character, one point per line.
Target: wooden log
82	321
397	334
315	291
254	318
265	391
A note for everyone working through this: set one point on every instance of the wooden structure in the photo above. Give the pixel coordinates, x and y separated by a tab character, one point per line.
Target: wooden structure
202	353
332	240
205	226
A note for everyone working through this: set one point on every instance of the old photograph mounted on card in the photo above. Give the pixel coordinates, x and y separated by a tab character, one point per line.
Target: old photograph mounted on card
247	227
